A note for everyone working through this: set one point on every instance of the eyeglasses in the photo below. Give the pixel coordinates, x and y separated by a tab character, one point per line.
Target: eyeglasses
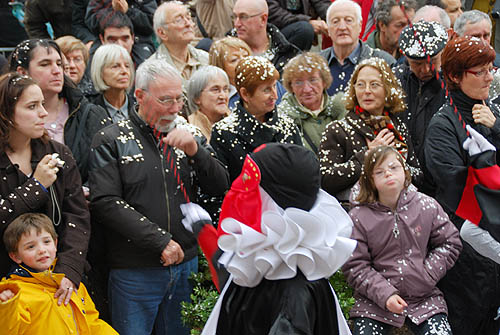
481	73
181	19
169	102
335	22
243	17
374	85
218	90
76	60
301	83
380	172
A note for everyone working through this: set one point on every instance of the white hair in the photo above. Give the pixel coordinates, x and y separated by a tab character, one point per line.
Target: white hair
199	81
355	5
424	12
105	55
160	14
469	17
151	69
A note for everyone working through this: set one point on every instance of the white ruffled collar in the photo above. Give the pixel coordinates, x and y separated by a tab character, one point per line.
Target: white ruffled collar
316	242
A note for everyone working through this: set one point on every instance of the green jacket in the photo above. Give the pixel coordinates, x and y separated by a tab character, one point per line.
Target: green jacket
332	109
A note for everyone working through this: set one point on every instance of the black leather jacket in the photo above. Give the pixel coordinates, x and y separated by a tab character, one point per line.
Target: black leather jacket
136	197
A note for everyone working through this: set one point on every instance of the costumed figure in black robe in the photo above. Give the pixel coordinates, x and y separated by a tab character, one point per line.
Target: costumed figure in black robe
279	238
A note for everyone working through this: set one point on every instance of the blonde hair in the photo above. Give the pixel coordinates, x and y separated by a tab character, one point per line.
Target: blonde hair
306	63
68	44
394	95
220	50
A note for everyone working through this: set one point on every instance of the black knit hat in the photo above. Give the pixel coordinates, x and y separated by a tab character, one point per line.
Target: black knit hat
431	35
289	174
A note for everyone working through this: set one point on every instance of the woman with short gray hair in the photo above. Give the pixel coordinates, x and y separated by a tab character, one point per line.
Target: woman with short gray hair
112	72
208	96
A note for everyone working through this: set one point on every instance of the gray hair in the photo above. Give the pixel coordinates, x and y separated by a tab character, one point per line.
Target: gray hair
356	6
383	12
425	12
199	81
105	55
159	16
151	69
469	17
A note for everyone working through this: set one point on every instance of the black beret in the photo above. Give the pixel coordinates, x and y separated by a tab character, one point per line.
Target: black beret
431	35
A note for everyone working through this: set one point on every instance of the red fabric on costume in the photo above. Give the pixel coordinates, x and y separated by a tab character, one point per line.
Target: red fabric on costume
242	202
489	177
207	239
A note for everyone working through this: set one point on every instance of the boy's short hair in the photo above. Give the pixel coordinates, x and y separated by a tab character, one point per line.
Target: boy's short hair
22	225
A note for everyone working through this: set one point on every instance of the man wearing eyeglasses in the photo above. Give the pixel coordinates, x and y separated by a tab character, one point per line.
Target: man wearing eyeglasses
174	28
344	26
263	38
142	170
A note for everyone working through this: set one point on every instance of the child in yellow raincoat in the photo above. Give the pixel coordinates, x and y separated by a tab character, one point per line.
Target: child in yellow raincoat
27	301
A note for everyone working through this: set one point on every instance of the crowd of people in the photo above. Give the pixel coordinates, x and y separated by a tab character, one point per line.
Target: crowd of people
133	132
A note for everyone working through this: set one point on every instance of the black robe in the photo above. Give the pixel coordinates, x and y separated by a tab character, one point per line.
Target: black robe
279	307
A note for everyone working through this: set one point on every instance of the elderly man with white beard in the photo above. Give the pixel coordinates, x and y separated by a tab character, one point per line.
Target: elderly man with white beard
142	170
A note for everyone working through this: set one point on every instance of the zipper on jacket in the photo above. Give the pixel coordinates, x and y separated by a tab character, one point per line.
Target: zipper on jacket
164	182
395	230
73	316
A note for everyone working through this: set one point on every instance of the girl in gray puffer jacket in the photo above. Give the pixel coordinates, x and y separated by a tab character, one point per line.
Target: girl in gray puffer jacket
406	243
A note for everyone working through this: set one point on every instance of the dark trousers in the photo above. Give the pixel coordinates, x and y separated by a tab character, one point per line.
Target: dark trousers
436	324
300	33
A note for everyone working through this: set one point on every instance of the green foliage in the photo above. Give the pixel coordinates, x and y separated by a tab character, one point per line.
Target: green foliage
344	292
195	314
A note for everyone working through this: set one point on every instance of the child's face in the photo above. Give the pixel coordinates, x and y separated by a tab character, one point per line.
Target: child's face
389	176
36	250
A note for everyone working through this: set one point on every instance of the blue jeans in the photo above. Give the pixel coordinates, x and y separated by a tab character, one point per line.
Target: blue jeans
143	298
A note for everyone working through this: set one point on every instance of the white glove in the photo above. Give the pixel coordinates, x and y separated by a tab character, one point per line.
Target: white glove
193	213
476	143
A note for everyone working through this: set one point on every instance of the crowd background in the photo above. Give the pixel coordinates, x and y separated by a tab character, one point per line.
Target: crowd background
340	78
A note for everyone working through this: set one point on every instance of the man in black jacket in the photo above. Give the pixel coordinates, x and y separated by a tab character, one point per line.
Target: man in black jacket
142	170
424	95
251	26
299	20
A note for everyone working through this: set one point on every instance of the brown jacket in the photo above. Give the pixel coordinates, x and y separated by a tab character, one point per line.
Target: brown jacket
342	152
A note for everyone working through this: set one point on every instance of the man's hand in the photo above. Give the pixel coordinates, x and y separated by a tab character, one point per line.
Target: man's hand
182	139
396	304
6	295
172	254
65	291
120	5
319	26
